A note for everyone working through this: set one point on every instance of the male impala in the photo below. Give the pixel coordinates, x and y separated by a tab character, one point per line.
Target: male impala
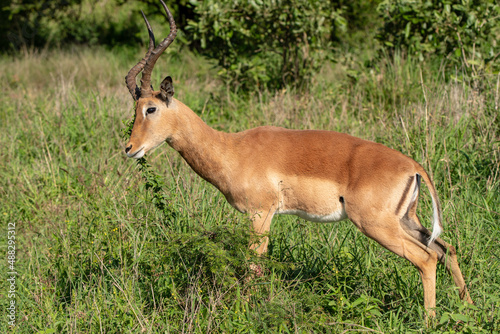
321	176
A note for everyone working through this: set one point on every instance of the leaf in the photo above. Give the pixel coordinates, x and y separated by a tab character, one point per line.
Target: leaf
459	8
461	317
358	301
47	331
444	318
407	30
474	62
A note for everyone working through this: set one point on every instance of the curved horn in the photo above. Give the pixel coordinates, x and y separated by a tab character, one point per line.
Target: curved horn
130	79
146	90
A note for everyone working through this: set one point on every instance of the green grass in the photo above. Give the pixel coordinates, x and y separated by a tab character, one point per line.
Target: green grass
103	246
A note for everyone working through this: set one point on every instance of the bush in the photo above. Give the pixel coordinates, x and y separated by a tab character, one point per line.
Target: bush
34	24
460	30
266	43
21	21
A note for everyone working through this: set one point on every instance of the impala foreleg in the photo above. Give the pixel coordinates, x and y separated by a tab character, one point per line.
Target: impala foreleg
261	222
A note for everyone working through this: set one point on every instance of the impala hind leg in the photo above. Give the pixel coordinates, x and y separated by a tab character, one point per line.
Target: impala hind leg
388	233
447	255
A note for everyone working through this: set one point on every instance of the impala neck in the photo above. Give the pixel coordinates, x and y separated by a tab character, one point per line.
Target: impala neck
203	148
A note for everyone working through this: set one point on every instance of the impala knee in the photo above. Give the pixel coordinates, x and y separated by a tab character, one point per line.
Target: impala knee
445	251
452	251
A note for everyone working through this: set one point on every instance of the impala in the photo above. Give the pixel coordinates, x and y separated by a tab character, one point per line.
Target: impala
321	176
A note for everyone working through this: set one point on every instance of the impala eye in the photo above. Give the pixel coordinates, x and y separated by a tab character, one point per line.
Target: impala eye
151	110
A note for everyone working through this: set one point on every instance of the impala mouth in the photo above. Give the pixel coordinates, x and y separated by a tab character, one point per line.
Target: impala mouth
138	154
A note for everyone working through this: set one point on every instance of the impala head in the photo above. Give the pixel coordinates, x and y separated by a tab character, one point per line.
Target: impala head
150	128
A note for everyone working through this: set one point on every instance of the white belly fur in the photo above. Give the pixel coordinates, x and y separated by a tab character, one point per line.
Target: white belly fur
315	200
331	217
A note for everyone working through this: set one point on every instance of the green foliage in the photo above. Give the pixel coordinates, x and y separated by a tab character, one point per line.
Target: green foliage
266	43
361	23
465	31
93	23
36	24
22	20
154	183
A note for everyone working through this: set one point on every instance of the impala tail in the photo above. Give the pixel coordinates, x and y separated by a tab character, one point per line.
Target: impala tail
437	226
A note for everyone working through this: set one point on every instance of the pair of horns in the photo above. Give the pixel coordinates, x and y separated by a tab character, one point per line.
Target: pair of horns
148	62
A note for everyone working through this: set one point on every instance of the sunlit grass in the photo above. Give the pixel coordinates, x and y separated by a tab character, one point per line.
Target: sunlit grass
95	255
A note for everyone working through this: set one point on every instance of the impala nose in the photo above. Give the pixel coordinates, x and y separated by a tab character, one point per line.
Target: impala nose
127	149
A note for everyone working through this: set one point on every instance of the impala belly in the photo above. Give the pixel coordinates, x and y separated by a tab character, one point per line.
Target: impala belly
332	217
313	199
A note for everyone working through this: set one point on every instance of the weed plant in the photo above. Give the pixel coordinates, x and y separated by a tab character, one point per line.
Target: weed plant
105	244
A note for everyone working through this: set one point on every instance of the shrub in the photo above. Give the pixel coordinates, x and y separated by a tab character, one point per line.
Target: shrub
34	24
458	29
266	43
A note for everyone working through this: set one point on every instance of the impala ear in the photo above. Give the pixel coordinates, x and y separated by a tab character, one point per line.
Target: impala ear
167	90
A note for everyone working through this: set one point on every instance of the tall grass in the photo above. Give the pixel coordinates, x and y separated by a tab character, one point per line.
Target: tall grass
95	254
